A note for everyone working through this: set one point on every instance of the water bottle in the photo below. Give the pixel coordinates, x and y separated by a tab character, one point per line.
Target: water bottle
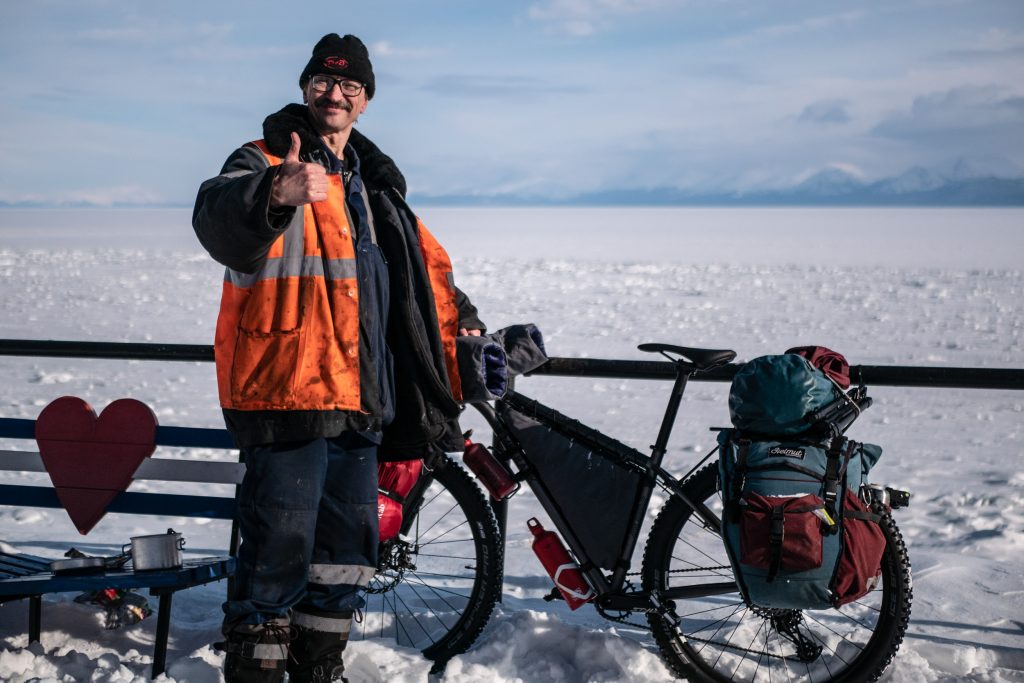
492	474
560	566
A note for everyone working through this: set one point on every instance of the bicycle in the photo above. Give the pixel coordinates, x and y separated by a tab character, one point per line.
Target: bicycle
439	580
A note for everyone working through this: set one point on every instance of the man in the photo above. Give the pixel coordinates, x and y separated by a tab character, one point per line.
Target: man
336	337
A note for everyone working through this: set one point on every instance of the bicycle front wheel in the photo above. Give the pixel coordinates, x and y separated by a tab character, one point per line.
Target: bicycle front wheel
722	638
436	586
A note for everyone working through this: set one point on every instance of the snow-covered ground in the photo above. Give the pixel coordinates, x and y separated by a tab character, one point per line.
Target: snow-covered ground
862	283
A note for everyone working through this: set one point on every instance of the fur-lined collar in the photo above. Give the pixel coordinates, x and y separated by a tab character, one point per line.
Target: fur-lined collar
376	167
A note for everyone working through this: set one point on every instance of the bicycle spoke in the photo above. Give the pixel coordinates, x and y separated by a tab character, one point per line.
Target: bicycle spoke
447	557
436	588
421	534
427	604
410	613
454	540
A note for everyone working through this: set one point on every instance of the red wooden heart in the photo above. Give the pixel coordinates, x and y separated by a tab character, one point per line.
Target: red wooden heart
90	460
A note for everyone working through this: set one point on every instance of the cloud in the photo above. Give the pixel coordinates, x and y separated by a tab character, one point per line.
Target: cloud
967	108
969	122
826	111
496	87
835	170
582	18
151	33
203	41
776	32
993	44
121	195
386	49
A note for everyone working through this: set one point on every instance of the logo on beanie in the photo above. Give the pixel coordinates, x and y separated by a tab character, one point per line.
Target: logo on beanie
336	63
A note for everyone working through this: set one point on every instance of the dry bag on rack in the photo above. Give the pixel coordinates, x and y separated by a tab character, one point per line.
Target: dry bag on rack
394	481
779	395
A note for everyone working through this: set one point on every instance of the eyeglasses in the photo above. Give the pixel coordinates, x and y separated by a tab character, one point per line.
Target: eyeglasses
322	83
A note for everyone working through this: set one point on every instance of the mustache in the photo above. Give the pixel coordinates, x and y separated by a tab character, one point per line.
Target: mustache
328	102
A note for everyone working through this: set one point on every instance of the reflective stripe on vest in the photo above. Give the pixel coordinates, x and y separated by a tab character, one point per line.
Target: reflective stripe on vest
288	335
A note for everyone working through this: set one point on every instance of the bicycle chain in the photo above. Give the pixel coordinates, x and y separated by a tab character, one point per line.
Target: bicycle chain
623	619
684	571
646	627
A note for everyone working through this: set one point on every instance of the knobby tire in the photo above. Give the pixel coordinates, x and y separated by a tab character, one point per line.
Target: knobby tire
724	639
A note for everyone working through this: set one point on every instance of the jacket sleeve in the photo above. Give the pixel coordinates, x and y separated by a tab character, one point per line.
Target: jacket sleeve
232	217
468	316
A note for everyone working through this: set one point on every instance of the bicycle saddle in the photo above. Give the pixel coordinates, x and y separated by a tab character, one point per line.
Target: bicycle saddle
703	359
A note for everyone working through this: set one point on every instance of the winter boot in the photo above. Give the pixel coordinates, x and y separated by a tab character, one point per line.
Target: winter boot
316	651
257	653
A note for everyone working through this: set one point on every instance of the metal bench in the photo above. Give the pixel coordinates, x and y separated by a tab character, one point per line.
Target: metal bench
26	576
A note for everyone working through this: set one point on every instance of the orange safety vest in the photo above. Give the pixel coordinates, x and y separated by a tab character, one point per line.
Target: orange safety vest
288	335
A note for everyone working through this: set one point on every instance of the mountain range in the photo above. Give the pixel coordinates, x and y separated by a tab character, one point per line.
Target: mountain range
829	187
959	186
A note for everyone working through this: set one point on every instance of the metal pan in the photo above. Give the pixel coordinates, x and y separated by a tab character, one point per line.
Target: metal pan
78	565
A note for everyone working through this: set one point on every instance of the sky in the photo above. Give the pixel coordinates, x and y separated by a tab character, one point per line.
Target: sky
112	102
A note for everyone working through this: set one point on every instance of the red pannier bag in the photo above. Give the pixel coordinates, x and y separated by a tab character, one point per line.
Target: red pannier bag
781	532
860	562
394	481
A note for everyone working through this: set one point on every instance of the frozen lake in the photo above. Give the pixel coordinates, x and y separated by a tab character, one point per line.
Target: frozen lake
884	286
959	238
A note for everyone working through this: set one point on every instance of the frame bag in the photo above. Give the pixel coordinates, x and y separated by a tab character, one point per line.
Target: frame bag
591	489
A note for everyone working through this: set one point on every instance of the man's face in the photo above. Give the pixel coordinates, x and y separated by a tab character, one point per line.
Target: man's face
331	109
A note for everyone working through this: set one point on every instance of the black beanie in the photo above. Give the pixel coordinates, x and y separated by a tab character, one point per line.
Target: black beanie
342	57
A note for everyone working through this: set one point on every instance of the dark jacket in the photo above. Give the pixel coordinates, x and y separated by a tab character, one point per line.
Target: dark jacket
234	223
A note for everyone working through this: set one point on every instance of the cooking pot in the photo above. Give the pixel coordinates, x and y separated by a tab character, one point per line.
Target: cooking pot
158	551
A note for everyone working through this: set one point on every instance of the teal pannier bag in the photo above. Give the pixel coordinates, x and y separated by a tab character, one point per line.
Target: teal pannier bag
792	519
779	395
797	533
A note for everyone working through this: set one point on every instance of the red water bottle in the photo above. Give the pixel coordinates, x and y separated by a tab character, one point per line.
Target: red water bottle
495	476
560	566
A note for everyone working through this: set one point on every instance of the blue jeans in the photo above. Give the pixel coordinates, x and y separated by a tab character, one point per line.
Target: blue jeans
308	523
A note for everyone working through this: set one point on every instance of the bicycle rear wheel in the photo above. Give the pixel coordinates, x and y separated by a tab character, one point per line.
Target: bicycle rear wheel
436	587
722	638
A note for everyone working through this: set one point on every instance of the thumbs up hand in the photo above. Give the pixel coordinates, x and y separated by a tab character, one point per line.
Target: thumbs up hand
297	182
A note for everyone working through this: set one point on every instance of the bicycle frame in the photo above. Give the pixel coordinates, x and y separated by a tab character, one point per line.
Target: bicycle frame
610	590
597	492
